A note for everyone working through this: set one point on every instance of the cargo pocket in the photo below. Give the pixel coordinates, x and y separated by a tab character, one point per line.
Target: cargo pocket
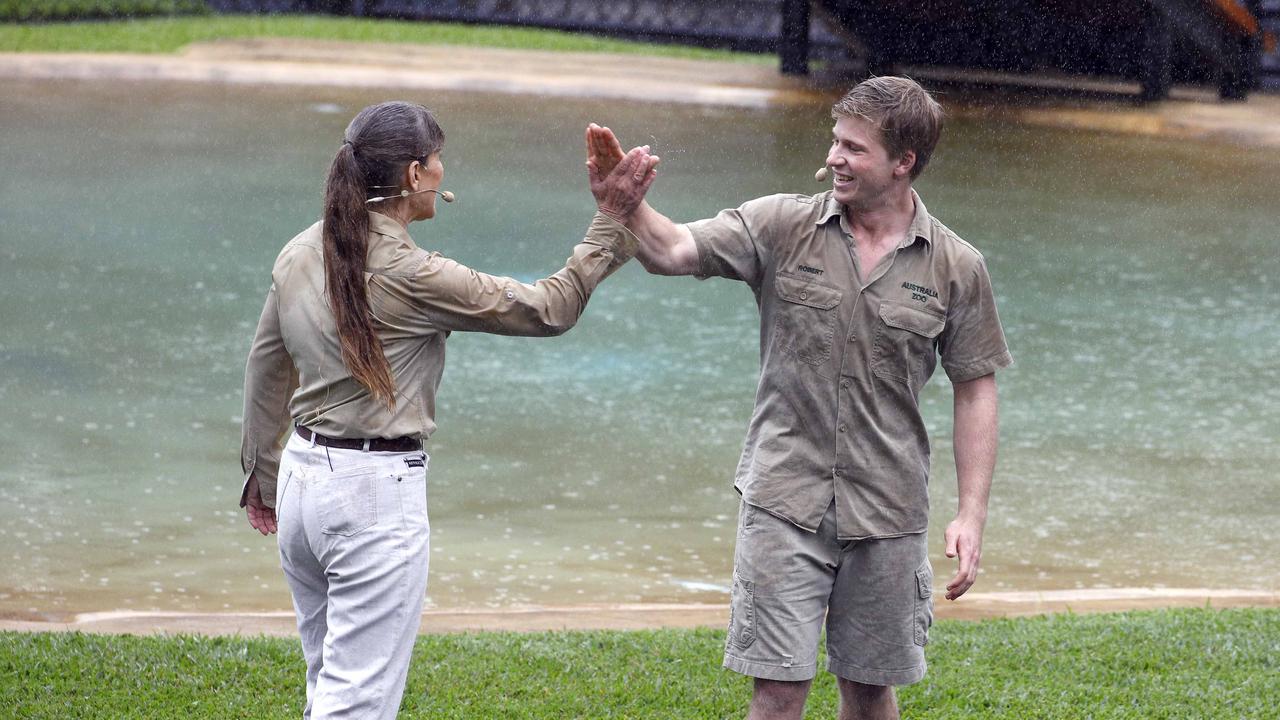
742	613
924	603
805	320
349	504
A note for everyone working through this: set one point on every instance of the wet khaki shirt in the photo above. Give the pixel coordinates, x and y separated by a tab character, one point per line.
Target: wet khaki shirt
295	370
843	359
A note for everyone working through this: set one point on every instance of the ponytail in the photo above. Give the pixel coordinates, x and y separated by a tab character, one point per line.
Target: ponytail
379	143
346	242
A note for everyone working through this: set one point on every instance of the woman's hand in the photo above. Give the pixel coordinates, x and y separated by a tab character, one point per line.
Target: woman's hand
603	148
261	517
620	191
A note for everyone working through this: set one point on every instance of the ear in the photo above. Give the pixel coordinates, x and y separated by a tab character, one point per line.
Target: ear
905	164
411	175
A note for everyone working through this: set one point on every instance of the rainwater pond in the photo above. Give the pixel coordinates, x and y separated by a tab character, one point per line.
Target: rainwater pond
1137	279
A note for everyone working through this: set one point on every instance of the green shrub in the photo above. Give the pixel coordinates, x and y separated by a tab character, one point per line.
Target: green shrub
56	10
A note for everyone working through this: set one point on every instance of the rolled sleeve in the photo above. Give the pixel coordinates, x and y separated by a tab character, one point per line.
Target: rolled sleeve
973	344
729	244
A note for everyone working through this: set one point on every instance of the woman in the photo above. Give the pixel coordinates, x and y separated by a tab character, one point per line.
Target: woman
349	350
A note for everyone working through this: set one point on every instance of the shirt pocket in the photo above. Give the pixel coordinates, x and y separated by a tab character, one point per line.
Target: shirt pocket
904	343
805	321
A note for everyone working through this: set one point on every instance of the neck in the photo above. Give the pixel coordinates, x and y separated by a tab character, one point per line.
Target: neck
888	216
397	210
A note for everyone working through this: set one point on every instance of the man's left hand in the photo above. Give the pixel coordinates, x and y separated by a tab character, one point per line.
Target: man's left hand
964	540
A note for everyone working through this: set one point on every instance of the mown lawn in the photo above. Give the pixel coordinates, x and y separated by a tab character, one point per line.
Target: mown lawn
167	35
1148	665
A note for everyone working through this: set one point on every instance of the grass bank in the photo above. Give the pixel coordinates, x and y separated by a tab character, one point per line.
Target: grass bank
1148	665
168	35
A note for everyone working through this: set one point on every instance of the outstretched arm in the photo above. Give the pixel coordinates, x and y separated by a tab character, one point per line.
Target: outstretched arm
975	437
452	296
665	247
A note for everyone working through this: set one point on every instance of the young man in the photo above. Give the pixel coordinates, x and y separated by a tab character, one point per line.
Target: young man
860	292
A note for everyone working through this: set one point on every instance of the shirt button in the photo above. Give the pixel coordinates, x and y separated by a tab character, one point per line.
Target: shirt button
804	296
844	383
843	427
511	295
852	338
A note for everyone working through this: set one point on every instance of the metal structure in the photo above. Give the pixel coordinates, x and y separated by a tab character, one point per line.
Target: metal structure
1154	42
747	25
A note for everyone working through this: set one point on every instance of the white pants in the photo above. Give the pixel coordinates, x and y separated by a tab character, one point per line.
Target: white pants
354	540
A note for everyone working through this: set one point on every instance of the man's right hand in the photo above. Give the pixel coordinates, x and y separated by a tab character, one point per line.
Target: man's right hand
665	248
621	189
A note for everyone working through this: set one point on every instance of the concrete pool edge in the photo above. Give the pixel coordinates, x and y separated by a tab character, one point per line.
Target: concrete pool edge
640	616
1190	114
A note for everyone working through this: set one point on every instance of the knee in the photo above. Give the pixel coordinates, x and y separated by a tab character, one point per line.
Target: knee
860	695
780	697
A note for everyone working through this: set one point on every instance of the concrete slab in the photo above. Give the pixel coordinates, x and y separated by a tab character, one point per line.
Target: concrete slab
974	606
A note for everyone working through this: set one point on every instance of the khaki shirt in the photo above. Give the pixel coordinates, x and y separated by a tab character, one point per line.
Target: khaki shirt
295	369
842	360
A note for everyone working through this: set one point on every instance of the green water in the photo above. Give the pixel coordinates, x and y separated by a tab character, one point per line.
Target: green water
1137	280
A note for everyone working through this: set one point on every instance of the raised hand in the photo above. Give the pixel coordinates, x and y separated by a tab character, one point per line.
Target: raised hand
603	148
621	190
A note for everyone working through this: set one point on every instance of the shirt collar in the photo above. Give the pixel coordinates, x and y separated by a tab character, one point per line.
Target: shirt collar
383	225
921	225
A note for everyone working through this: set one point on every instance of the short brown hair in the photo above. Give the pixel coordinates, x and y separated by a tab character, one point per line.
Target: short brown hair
907	116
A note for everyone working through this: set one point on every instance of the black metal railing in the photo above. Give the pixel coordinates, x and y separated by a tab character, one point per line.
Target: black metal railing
747	25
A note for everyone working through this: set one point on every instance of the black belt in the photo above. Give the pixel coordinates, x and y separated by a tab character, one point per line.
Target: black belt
400	444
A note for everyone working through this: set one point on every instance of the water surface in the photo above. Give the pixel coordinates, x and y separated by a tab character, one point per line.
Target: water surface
1137	281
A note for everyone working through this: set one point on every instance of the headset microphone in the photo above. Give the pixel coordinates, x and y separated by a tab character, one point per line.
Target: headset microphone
444	195
822	174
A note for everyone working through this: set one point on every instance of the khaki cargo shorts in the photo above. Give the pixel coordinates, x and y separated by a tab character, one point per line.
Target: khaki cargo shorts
875	597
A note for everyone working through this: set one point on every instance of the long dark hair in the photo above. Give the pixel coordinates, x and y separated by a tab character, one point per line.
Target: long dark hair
380	141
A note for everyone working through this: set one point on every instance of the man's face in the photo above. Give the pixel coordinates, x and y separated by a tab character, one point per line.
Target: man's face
861	167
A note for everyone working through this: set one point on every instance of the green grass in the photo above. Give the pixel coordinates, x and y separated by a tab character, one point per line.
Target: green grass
1140	665
39	10
167	35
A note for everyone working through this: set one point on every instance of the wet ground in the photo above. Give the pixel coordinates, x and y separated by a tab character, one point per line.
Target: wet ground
1191	114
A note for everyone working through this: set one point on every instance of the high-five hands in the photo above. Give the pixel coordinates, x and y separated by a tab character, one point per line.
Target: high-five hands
618	181
603	148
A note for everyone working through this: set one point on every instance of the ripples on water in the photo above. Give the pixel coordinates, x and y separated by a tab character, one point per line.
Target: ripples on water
1136	280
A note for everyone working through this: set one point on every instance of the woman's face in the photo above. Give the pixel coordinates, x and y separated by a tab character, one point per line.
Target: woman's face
430	176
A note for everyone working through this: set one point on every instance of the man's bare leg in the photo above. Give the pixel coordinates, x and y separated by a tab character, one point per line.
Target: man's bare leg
867	702
778	699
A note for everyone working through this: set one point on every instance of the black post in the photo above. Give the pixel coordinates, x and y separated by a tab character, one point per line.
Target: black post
793	46
1244	60
1157	55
